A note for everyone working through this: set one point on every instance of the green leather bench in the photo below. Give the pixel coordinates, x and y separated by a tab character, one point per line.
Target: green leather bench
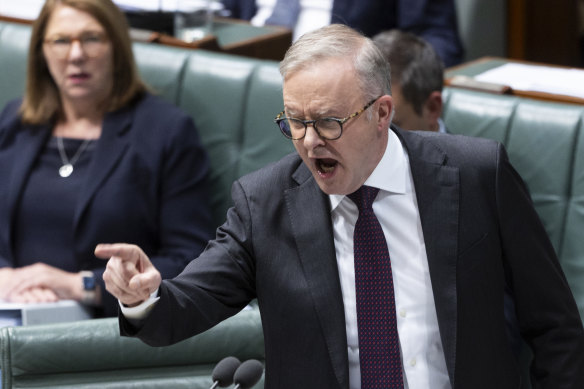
233	101
90	354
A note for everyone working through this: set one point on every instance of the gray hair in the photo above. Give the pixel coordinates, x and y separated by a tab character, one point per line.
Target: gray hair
340	41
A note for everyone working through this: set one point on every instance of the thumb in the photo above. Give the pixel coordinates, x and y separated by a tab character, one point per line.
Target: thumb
148	281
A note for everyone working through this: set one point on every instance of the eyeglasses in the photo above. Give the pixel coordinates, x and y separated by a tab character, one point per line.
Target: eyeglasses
327	128
92	44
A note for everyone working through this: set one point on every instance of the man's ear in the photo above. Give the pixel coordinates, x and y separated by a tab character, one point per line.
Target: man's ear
384	112
433	109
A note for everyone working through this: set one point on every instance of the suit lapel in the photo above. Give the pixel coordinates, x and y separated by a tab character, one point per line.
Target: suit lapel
308	208
109	150
437	192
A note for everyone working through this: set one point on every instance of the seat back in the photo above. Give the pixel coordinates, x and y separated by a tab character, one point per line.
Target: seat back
232	100
482	26
90	354
14	40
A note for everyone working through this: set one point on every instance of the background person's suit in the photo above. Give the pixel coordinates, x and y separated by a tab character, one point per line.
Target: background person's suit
434	20
146	185
479	227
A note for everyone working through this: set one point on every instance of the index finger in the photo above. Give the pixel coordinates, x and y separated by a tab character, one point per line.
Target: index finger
124	251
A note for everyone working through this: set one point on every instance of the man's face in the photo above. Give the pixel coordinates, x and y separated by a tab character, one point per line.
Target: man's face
331	89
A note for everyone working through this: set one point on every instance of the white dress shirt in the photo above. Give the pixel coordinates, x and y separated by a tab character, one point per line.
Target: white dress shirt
396	208
441	126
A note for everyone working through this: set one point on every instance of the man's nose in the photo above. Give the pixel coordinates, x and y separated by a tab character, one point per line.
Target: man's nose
311	138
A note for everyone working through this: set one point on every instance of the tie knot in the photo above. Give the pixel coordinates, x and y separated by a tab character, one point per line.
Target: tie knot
364	196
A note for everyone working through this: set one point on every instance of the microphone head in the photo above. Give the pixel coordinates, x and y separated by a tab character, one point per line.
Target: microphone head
248	374
224	370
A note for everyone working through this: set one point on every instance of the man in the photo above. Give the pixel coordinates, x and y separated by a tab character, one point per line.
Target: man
417	79
434	20
454	219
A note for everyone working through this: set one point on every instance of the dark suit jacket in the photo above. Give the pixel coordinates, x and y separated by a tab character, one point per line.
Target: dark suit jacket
479	226
434	20
146	184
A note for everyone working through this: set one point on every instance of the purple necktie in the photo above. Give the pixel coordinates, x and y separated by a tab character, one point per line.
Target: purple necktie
379	354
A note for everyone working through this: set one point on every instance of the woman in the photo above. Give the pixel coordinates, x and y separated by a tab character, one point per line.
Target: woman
90	156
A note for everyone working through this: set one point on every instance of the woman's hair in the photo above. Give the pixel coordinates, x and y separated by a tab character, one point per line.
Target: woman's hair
41	102
340	41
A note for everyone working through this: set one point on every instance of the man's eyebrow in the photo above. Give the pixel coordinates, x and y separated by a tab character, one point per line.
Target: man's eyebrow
322	113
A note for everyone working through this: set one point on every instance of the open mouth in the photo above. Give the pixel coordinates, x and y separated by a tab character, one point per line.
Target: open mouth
326	165
79	76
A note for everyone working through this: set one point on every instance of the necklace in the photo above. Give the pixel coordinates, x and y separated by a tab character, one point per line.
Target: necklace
67	168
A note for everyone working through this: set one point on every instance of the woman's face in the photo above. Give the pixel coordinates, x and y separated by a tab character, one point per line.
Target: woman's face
79	55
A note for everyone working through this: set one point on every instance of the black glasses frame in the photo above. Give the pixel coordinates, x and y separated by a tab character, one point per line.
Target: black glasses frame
280	121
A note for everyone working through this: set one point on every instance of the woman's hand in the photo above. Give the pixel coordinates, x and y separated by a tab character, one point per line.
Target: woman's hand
35	295
40	282
6	282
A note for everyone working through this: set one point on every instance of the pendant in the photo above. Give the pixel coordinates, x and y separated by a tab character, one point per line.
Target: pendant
66	170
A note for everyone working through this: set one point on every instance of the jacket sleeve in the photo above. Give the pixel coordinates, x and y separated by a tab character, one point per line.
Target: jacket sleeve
214	286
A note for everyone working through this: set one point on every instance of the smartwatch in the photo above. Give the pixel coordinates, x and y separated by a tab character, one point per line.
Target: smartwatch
89	288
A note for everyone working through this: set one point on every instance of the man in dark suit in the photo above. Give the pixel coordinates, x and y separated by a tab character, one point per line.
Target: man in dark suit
456	220
434	20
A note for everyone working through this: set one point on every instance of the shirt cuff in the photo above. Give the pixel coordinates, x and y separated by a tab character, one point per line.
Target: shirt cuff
140	311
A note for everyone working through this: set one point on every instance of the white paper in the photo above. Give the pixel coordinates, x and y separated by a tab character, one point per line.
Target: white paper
5	305
42	313
537	78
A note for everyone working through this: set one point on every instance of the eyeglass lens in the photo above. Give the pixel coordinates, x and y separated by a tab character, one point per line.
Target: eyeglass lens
92	44
327	128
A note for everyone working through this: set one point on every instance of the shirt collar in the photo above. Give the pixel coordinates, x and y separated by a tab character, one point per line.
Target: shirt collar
441	126
389	174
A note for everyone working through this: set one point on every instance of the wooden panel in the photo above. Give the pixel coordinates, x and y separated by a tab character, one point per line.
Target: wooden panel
516	29
544	31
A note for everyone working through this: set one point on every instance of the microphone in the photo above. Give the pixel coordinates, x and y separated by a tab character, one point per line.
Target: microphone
248	374
223	372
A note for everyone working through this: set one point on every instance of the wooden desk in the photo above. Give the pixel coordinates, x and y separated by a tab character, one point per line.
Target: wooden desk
473	68
231	36
239	37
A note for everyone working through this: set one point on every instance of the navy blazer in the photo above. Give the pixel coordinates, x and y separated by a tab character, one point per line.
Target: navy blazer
479	227
146	184
433	20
